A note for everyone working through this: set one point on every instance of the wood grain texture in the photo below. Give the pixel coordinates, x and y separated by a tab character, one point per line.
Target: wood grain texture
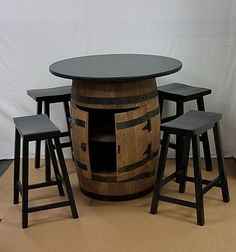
116	189
98	90
131	142
80	137
136	135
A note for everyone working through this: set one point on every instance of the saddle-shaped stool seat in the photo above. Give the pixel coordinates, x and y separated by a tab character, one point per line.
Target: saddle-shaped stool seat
34	128
180	94
190	126
45	97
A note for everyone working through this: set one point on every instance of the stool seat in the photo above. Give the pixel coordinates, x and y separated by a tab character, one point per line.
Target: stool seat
192	122
51	94
36	125
181	93
45	97
190	127
31	128
177	91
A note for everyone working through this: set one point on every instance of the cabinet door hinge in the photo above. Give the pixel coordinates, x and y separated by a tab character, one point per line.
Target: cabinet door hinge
148	150
148	126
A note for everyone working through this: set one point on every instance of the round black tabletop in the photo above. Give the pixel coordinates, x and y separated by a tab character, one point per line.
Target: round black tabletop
115	67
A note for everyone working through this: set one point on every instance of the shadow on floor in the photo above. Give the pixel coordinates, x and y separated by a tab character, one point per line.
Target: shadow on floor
4	165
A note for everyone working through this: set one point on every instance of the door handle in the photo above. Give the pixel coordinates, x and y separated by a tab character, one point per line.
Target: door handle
83	147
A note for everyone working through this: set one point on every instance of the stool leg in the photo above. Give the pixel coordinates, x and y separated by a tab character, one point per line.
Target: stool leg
67	114
25	181
183	174
16	167
220	159
161	103
205	140
198	181
47	155
66	178
55	166
179	140
160	173
38	143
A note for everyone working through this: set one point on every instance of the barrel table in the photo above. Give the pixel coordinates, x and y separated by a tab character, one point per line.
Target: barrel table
115	121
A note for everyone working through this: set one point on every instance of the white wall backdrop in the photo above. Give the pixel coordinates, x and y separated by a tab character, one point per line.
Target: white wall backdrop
34	34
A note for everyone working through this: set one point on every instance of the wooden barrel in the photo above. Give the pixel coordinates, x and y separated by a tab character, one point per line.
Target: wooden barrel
115	131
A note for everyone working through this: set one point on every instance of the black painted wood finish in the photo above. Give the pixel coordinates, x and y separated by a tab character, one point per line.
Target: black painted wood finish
190	126
31	128
51	95
34	127
192	122
181	93
115	67
46	96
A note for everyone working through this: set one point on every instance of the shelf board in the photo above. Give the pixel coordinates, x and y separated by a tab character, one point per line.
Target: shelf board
102	137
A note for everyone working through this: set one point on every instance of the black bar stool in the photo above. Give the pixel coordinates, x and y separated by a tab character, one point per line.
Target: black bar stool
46	97
181	93
37	128
190	126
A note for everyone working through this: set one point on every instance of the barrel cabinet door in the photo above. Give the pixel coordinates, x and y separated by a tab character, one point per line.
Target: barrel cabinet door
154	138
131	143
79	133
